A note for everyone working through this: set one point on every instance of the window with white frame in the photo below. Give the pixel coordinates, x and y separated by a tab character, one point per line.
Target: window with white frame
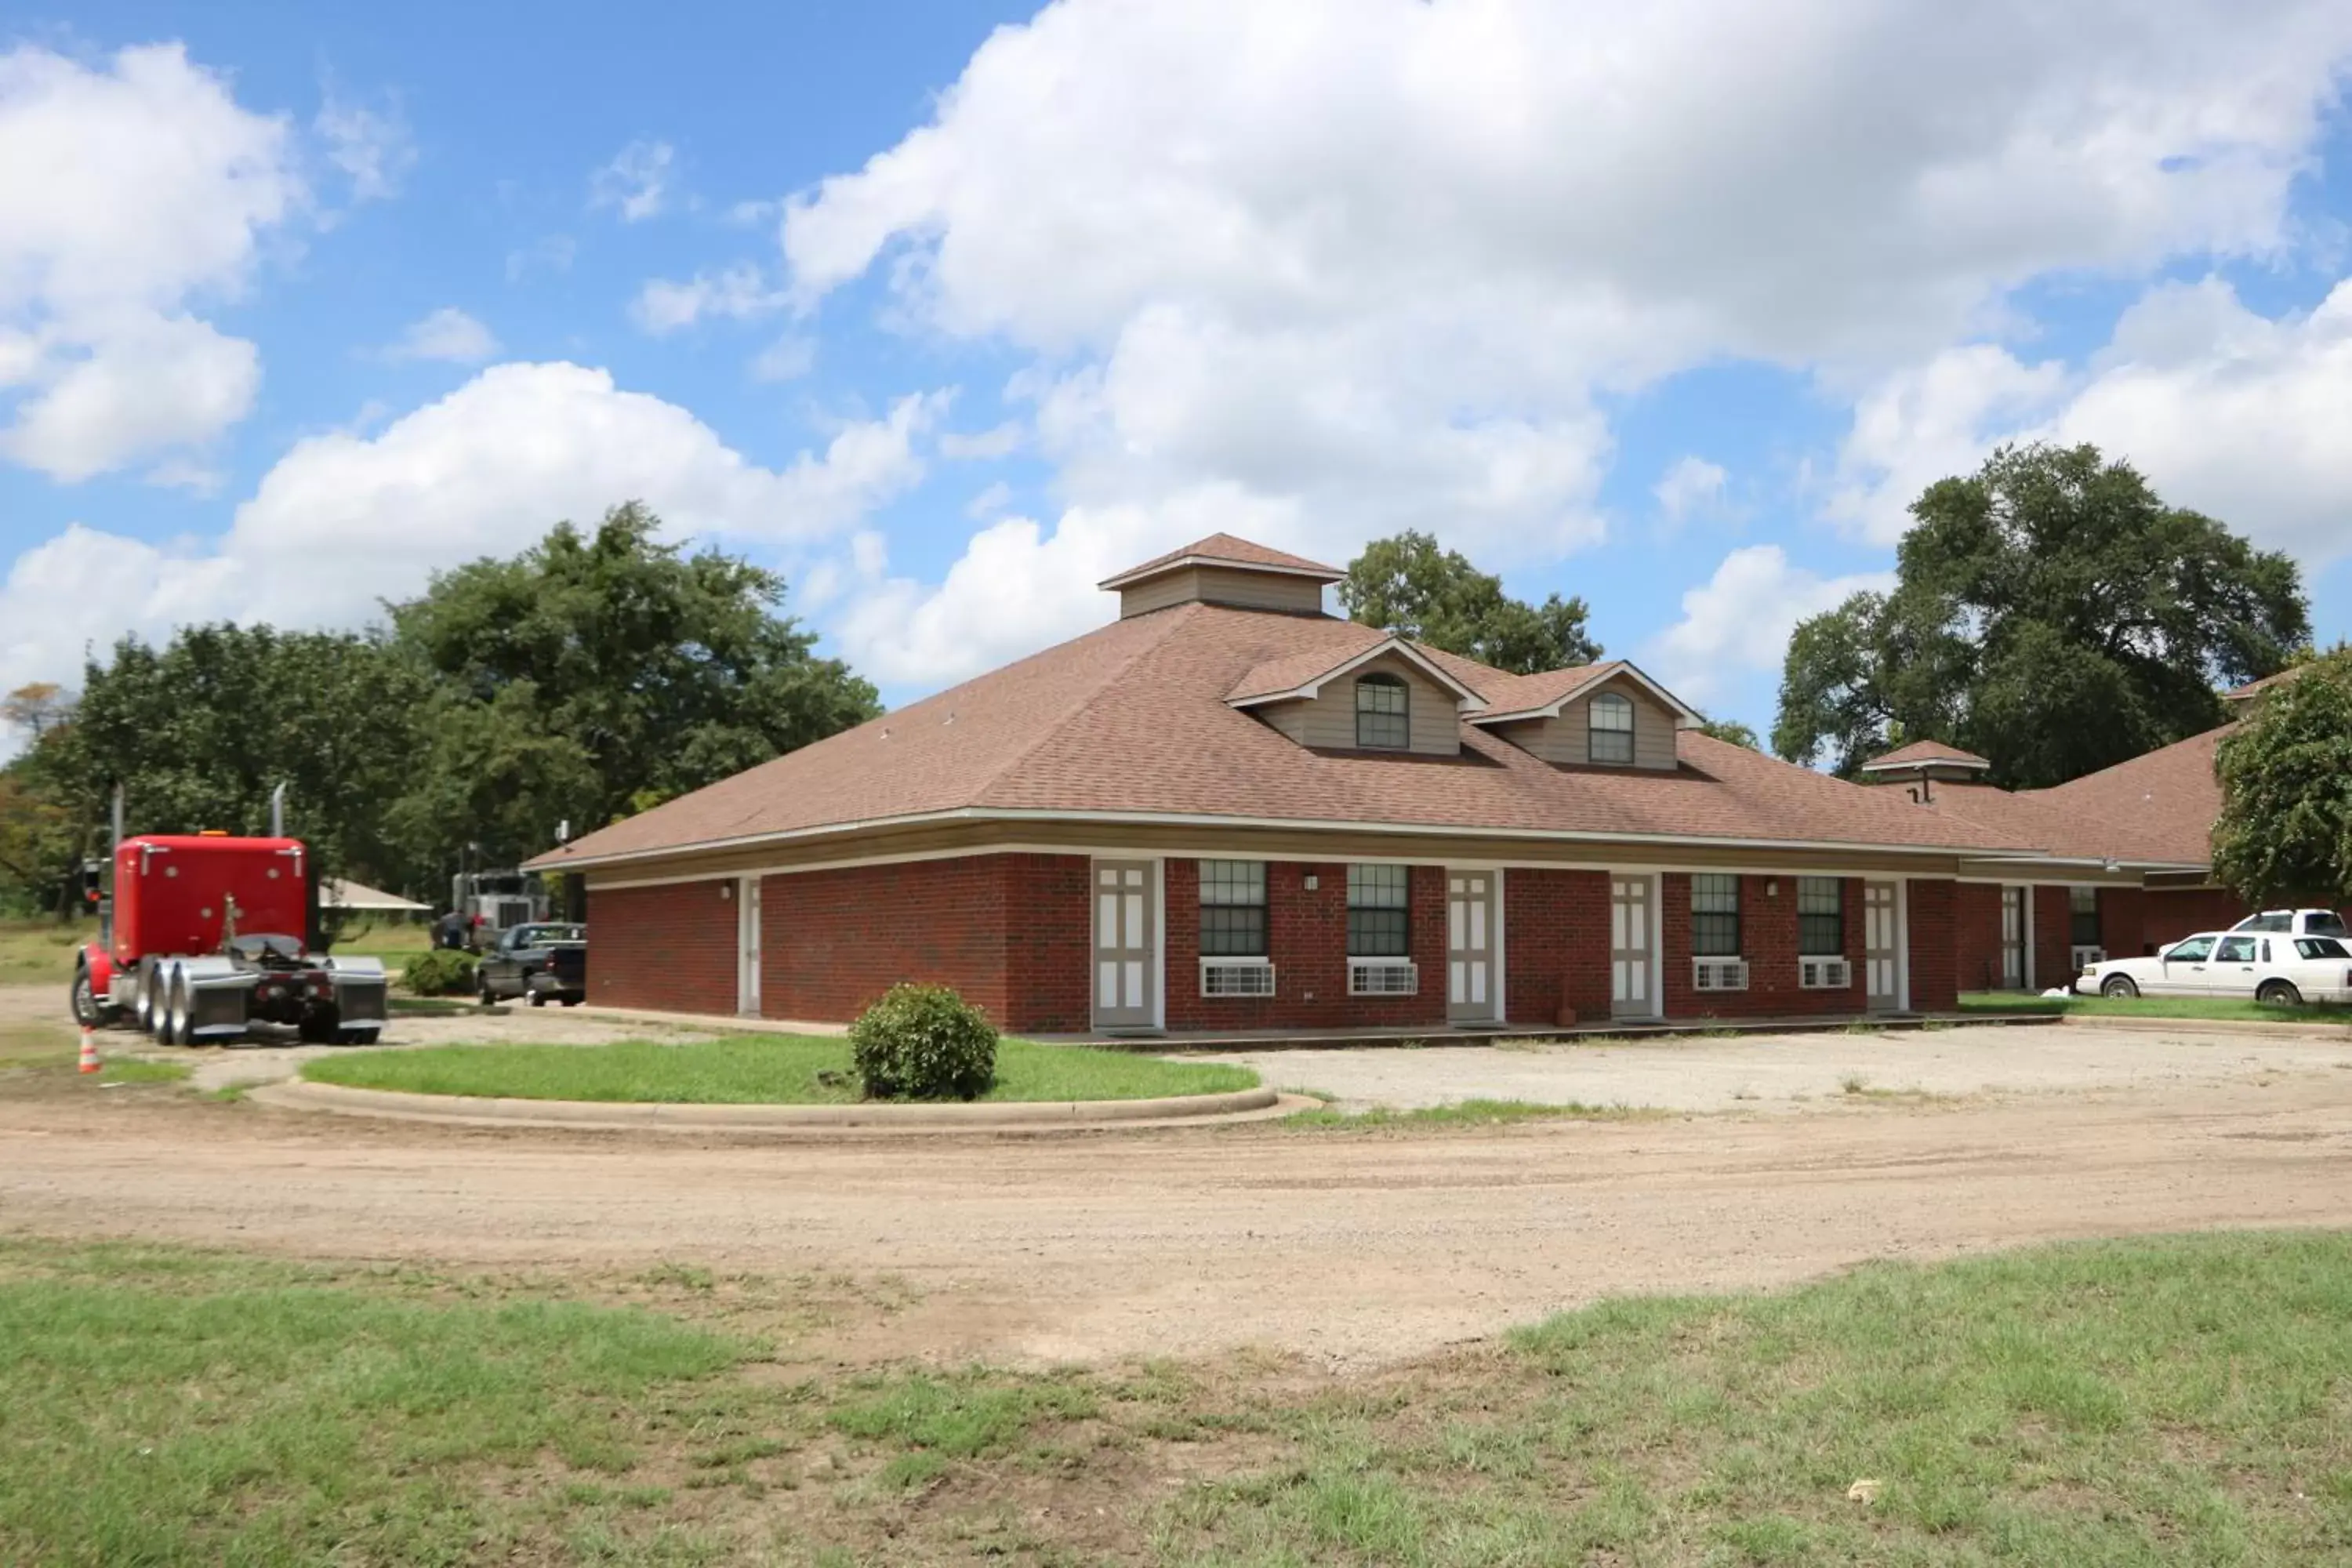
1612	728
1715	915
2083	916
1382	719
1233	908
1820	917
1379	912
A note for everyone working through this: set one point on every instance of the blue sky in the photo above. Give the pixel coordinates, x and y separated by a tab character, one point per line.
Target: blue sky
1673	311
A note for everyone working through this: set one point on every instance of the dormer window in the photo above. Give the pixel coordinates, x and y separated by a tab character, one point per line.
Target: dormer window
1383	723
1612	728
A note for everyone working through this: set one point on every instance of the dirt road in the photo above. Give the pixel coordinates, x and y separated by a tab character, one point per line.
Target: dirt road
1349	1246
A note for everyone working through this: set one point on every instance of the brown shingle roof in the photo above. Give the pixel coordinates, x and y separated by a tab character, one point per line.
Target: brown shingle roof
1515	695
2256	688
1131	719
1225	550
2160	806
1926	751
1279	676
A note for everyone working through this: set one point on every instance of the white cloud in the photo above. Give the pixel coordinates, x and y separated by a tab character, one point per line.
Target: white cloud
635	184
788	358
737	293
549	253
448	333
1737	622
2244	418
998	441
1359	265
344	520
989	502
1691	487
130	192
373	147
1937	419
2236	415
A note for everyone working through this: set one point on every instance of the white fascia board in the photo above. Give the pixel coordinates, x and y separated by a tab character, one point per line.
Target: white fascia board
1690	717
1396	644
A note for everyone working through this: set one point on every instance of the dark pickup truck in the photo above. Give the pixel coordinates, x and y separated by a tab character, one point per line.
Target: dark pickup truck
543	962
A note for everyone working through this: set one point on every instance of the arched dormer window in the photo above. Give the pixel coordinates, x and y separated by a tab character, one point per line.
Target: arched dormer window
1612	728
1383	723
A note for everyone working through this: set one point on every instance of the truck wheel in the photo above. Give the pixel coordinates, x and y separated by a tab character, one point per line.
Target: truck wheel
179	1023
321	1028
2279	994
85	1000
539	998
572	1001
143	999
482	991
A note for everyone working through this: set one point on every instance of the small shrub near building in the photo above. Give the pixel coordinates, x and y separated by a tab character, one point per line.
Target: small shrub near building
438	972
924	1042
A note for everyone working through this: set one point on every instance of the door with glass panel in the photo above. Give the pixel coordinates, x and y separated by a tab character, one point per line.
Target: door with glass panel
1470	947
1632	984
2013	939
1881	971
1126	944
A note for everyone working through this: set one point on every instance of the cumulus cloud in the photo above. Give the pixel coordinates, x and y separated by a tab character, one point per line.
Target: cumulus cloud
373	147
635	184
788	358
130	191
1369	264
344	520
1737	622
1691	487
1925	423
448	333
735	293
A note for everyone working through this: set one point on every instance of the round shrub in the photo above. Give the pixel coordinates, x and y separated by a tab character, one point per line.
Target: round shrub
924	1042
441	972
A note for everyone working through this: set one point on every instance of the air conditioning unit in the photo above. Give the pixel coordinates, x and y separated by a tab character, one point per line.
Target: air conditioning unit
1824	974
1719	973
1384	977
2086	957
1236	978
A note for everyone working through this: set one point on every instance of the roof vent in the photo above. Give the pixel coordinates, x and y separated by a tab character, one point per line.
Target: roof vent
1223	570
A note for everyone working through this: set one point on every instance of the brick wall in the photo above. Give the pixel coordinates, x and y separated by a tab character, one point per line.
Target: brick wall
2122	921
1768	941
1975	920
1009	932
2168	914
1556	936
1934	986
1307	937
2054	943
670	948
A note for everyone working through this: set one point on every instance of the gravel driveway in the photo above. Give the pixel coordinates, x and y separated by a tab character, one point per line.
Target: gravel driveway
1781	1072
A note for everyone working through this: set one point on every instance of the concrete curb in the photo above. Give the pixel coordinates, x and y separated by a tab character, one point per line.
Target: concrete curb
1241	1105
2282	1031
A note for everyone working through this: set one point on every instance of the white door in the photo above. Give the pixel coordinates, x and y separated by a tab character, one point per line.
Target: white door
1633	981
2233	971
2183	971
1882	968
2013	939
1126	944
747	946
1469	947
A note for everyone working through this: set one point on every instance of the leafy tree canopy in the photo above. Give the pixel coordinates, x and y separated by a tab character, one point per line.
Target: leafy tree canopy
2285	829
1733	731
596	673
2050	613
1408	585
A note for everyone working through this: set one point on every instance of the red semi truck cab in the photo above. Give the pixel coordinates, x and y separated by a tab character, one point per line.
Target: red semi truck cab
170	959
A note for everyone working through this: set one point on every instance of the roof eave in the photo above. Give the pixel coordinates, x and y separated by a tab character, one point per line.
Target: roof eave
1391	644
1145	574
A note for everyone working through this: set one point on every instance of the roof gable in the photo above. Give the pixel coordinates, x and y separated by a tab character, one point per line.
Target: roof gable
1303	675
1225	550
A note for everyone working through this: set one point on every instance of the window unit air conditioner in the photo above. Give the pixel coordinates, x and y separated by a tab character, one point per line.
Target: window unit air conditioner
1236	978
1718	974
2086	957
1824	974
1384	977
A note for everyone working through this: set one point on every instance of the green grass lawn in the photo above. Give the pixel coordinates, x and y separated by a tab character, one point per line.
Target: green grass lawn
2153	1007
2167	1404
751	1069
41	951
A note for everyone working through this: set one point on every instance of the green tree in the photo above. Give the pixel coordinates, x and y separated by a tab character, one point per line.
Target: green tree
200	731
39	848
597	673
2285	828
1733	731
2050	613
1408	585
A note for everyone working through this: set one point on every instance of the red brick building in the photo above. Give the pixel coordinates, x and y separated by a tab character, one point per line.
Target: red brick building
1230	810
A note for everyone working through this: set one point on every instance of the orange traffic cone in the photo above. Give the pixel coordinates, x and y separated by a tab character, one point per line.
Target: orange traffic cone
88	1049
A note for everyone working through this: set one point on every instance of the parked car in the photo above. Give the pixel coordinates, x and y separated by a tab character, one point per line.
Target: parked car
2297	922
521	963
2281	969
